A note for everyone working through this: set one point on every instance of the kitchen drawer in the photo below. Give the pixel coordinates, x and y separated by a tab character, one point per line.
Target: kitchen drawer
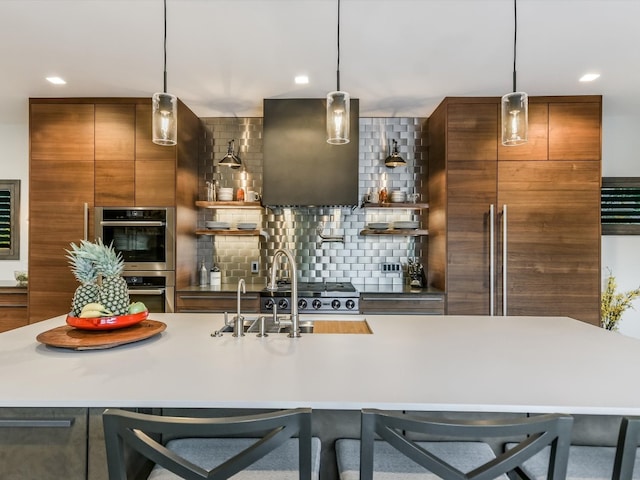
13	308
216	302
43	443
402	304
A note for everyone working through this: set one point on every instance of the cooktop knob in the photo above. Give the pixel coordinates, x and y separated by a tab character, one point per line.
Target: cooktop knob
350	304
282	304
335	304
316	304
269	304
302	303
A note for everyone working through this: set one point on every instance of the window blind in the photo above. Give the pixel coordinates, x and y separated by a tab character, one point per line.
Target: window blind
9	219
620	206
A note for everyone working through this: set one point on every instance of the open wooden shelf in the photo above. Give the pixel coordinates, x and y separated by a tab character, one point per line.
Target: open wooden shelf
406	205
246	205
395	231
227	231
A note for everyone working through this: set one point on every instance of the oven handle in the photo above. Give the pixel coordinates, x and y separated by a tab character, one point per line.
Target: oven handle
151	291
135	223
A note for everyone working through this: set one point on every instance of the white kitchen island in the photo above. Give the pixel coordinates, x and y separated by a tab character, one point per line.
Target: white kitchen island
430	363
491	365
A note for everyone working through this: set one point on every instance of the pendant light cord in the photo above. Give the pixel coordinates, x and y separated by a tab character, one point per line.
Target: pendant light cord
515	40
165	46
338	65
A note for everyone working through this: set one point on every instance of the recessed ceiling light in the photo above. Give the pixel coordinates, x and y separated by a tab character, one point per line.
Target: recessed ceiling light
56	80
301	80
589	77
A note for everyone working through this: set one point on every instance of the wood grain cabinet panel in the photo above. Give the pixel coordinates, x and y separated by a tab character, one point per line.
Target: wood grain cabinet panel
536	147
61	131
155	175
575	131
553	254
145	148
471	131
217	302
471	192
115	127
155	182
61	181
13	308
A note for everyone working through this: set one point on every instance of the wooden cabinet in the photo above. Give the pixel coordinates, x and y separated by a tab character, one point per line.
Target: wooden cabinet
216	302
90	151
543	203
61	194
115	126
418	303
13	307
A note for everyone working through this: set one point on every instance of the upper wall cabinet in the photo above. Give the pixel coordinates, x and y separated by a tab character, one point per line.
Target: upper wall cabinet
575	131
560	128
115	154
471	131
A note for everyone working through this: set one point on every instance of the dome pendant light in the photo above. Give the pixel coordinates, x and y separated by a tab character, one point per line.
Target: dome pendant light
394	160
230	159
164	106
338	107
515	106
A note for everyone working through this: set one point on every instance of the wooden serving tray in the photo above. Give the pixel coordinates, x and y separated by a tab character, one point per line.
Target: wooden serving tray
77	339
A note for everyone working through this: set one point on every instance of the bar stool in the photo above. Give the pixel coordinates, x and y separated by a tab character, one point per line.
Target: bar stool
249	447
595	463
397	455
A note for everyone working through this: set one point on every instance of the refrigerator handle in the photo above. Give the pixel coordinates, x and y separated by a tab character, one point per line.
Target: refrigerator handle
504	260
492	261
86	220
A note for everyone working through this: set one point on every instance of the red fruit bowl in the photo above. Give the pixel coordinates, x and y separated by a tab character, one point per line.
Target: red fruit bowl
107	323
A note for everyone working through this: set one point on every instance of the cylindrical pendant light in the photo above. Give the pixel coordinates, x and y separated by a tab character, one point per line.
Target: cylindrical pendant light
515	106
338	107
164	106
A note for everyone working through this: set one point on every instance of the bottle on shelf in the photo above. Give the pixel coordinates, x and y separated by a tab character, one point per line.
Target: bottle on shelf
383	195
204	274
240	195
215	277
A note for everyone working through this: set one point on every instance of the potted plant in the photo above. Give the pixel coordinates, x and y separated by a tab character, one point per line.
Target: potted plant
614	304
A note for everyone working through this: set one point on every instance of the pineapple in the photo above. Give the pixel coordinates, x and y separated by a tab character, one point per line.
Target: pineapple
113	292
84	270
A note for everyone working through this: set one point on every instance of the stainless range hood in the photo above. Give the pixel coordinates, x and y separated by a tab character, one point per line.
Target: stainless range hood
300	167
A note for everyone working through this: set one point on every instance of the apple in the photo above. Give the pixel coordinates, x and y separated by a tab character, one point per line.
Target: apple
137	307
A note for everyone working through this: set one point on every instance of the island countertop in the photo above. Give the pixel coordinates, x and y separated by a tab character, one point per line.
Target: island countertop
429	363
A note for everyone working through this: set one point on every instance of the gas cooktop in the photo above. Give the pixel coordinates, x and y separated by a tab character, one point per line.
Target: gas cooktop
337	297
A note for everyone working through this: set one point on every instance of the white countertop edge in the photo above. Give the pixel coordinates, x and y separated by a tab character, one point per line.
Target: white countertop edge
443	363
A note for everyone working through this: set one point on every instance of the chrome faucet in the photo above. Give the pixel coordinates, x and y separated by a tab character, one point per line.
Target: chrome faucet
295	327
238	330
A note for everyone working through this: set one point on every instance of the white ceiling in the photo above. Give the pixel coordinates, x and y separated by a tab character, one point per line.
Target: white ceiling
399	57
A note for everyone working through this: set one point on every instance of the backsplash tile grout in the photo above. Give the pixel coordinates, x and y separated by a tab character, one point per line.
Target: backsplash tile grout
358	259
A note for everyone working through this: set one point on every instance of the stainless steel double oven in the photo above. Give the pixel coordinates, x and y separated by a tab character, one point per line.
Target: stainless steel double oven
145	236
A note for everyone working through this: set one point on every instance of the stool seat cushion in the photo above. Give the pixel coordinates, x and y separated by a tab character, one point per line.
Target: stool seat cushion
585	463
280	464
389	464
